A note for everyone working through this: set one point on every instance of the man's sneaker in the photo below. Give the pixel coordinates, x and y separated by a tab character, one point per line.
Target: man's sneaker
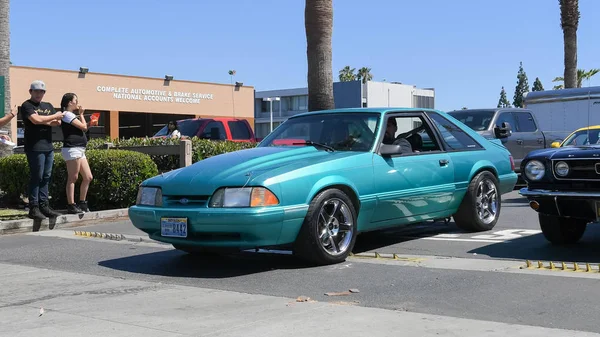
35	214
73	209
83	205
49	212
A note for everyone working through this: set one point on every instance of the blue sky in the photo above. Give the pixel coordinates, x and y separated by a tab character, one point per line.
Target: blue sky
466	49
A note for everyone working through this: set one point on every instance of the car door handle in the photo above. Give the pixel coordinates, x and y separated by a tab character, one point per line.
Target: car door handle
540	140
444	162
520	141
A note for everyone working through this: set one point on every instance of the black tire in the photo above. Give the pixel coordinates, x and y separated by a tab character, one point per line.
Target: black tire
309	246
560	230
468	217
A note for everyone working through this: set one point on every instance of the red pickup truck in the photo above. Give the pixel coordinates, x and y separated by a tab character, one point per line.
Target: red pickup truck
233	129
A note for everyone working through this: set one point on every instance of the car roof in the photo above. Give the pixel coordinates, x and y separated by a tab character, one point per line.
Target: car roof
380	111
591	127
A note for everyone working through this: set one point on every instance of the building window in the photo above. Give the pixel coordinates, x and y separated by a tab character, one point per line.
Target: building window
425	102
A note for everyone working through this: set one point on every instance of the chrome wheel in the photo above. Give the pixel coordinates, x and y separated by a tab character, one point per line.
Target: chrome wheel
335	226
486	201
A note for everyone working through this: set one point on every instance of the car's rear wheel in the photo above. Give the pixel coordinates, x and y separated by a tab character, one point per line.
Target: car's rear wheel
329	230
480	208
561	230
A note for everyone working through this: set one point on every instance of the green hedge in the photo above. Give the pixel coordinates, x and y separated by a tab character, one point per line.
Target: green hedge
201	148
117	175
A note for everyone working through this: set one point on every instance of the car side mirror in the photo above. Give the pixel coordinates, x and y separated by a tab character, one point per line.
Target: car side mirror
388	149
504	131
555	145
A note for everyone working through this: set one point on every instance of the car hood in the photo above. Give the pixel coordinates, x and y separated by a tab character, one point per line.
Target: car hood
569	152
250	166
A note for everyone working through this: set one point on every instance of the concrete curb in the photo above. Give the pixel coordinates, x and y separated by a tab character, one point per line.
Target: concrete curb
66	220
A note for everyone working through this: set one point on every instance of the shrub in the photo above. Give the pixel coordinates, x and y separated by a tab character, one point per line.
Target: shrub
117	175
201	148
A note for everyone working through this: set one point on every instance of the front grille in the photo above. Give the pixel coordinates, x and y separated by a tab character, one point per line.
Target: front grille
580	169
567	186
187	200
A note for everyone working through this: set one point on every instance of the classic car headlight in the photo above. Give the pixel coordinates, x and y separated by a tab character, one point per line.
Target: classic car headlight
243	197
561	168
149	196
535	170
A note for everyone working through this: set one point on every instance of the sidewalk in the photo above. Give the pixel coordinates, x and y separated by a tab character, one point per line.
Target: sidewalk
87	305
66	220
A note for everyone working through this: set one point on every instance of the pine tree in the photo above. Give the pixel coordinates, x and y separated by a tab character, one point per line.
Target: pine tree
537	85
521	88
503	101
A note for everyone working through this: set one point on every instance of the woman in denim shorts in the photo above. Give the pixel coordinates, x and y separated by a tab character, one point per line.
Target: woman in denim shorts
74	127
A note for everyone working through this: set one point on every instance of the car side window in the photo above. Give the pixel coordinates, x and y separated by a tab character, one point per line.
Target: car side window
412	129
455	138
238	130
506	117
217	134
525	122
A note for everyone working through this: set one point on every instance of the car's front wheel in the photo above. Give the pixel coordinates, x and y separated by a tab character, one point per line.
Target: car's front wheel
480	208
561	230
329	230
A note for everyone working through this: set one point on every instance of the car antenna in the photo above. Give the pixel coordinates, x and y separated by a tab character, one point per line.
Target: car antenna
249	175
588	128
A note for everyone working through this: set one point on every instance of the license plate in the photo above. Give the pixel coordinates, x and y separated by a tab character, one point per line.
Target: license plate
173	227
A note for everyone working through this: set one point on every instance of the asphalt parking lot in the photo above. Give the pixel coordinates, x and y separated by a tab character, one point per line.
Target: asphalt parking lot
438	270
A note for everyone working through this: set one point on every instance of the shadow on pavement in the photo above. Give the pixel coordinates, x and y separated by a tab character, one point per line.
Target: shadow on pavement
178	264
372	241
536	247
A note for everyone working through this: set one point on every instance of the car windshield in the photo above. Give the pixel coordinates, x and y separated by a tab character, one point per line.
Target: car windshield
477	120
583	137
339	131
187	127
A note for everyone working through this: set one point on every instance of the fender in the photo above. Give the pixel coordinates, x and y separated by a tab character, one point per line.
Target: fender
330	181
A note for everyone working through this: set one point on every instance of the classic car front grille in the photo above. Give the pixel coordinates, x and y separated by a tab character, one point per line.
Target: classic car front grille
567	186
580	169
187	200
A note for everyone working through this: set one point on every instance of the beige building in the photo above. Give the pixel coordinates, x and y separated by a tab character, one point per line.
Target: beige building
131	106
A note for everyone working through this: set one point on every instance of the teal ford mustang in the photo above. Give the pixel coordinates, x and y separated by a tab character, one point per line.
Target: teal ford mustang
322	177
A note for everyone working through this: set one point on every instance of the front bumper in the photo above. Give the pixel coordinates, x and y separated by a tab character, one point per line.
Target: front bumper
238	228
573	204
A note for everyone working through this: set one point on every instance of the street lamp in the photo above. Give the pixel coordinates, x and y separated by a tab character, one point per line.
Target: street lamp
271	99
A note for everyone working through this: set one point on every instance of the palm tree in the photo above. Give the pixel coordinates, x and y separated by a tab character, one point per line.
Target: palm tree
582	75
318	23
364	74
569	20
347	74
5	64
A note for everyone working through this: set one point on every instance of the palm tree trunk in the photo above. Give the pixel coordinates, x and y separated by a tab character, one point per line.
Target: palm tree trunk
569	20
318	22
5	66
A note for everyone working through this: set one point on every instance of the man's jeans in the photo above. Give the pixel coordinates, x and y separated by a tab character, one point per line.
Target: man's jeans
40	170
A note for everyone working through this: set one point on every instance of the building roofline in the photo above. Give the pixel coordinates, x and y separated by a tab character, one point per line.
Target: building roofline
127	76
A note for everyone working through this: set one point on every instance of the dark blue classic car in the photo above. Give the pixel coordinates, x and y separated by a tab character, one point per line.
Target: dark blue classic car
563	186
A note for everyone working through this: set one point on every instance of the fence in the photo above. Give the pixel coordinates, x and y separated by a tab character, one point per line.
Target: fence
183	149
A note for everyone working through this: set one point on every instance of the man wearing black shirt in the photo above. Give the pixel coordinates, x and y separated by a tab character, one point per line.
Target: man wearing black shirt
38	119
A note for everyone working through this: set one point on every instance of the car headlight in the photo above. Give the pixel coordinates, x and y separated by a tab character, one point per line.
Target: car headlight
149	196
561	168
243	197
535	170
